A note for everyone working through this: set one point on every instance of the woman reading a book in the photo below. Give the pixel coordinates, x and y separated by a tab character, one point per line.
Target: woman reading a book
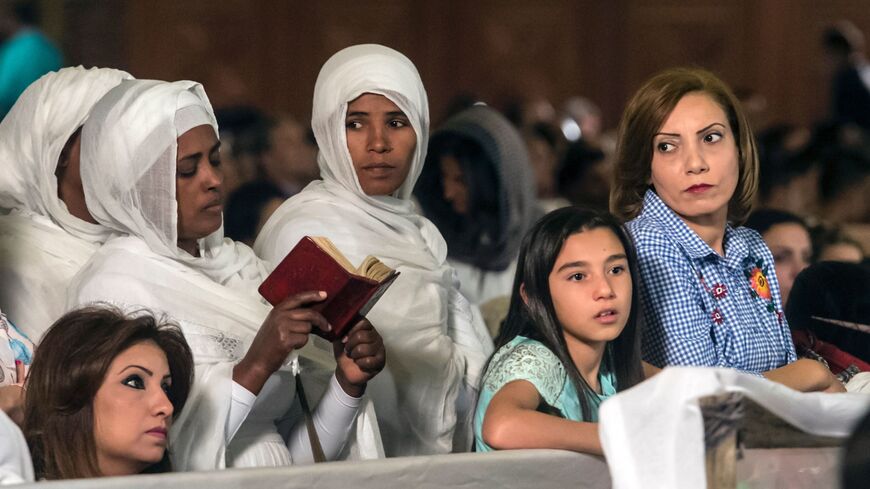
371	121
151	172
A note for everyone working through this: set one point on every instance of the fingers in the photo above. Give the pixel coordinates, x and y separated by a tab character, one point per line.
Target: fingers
297	300
313	318
20	373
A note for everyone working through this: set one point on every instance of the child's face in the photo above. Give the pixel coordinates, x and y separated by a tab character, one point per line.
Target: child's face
591	287
694	164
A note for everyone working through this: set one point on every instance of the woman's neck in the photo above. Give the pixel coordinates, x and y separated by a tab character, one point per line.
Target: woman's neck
587	358
190	246
110	466
710	228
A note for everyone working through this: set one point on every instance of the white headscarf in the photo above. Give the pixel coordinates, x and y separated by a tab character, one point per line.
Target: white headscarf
33	134
435	345
138	123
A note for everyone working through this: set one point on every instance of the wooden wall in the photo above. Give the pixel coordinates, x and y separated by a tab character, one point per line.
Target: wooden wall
268	53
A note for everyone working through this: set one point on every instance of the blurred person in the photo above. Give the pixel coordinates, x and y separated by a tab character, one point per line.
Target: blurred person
244	135
476	187
584	175
844	185
789	169
163	198
843	44
582	120
545	143
371	120
16	356
103	393
289	160
49	233
832	243
25	52
788	238
248	209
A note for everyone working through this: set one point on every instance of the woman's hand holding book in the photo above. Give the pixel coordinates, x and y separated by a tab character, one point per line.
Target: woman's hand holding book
359	355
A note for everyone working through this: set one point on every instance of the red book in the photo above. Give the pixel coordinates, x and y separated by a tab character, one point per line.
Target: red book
315	264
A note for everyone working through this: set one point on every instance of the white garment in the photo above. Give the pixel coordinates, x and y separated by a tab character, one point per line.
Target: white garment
15	464
435	346
480	286
653	433
212	297
42	245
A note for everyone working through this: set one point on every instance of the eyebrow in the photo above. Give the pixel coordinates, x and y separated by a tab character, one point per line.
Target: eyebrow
360	113
150	373
198	154
579	264
698	132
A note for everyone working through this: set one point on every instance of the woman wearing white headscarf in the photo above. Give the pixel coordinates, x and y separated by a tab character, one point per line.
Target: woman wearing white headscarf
162	197
371	121
47	234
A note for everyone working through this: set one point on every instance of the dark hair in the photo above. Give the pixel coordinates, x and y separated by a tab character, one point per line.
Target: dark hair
537	319
825	235
764	219
245	206
575	178
644	116
70	365
832	290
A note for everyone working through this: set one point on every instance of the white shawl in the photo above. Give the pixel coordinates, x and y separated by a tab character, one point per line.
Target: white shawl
42	245
435	346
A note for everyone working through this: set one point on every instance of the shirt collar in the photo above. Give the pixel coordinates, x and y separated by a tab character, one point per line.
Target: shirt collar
735	248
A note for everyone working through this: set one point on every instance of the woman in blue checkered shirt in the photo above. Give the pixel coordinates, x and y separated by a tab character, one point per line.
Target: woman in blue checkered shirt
686	175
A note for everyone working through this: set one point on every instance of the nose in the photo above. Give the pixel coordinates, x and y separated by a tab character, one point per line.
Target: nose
213	176
695	162
161	405
603	288
378	139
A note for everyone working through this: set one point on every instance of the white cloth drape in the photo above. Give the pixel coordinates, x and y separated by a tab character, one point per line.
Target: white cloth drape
42	245
653	433
212	297
15	464
435	346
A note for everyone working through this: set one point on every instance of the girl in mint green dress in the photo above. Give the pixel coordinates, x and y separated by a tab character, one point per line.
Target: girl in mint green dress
571	338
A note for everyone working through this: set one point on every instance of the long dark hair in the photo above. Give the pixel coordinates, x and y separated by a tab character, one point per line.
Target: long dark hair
535	318
69	366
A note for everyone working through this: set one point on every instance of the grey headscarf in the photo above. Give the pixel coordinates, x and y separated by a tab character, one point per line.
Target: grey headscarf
501	189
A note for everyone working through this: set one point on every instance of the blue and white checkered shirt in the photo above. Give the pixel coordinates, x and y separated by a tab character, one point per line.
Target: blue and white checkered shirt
702	308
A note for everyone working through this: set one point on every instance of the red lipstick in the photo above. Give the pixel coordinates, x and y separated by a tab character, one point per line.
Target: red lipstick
699	188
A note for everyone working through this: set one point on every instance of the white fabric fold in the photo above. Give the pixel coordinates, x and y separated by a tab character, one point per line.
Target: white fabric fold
653	433
42	245
15	464
435	345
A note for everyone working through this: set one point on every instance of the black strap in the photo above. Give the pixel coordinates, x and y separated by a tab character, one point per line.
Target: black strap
316	449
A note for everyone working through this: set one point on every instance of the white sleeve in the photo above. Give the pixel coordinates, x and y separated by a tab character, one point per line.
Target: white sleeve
241	403
15	464
333	419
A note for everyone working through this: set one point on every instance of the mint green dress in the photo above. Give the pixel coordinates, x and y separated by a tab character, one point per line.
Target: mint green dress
526	359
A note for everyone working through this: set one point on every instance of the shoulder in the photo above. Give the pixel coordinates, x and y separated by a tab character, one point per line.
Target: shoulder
527	360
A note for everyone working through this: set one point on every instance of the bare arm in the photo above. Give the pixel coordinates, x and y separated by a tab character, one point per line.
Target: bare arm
649	370
805	375
511	421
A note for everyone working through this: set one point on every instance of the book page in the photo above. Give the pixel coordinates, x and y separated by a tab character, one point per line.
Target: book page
326	245
374	269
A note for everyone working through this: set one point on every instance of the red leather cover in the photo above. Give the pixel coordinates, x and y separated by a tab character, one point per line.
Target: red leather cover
307	267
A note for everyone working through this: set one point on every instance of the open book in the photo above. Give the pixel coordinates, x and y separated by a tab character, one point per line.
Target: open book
316	264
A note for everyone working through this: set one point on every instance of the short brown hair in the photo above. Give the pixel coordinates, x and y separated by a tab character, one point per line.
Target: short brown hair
644	117
69	366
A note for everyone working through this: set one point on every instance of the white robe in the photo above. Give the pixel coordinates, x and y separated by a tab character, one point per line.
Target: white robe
42	245
435	346
15	464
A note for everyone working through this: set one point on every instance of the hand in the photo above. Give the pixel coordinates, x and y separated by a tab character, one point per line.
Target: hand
285	329
12	402
360	355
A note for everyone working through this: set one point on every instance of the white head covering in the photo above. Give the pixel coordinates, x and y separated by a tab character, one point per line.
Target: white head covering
435	345
367	68
129	148
33	134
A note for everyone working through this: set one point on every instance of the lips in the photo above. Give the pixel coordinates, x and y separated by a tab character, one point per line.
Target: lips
607	316
159	432
378	169
699	188
216	204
